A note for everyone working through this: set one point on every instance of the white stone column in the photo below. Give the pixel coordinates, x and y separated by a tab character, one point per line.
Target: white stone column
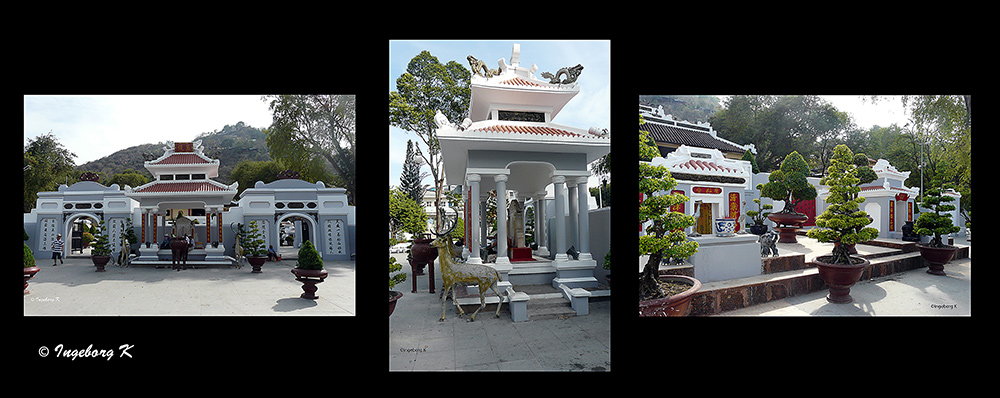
559	237
541	235
584	222
501	180
571	221
476	219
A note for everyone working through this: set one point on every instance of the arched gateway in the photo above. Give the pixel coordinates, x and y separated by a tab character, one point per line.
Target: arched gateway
183	189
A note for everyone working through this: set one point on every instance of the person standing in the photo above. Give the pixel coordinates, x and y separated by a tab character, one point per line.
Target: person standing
57	250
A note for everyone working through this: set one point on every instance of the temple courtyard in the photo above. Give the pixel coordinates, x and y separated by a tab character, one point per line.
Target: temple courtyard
75	289
895	284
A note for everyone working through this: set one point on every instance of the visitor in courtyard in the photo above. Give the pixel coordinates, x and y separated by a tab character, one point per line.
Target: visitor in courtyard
57	250
272	254
166	242
190	241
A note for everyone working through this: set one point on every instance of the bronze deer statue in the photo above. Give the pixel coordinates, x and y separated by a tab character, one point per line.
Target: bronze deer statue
453	272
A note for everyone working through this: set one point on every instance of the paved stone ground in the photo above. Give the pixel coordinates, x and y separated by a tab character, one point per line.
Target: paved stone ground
74	289
418	341
910	293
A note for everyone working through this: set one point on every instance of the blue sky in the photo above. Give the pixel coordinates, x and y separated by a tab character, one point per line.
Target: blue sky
96	126
590	108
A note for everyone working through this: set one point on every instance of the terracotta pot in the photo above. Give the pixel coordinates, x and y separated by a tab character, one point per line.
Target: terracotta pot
788	218
840	277
309	279
256	262
936	257
422	253
393	296
786	234
100	262
676	305
28	274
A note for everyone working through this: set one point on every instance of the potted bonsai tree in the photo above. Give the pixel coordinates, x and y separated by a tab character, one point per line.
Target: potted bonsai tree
100	252
399	277
932	222
29	264
253	246
668	295
309	270
758	227
789	184
843	224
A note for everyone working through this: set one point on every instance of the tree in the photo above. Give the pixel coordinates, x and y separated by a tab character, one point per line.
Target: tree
665	237
933	222
428	87
779	125
842	222
410	178
130	177
789	183
46	162
405	215
307	127
247	173
748	156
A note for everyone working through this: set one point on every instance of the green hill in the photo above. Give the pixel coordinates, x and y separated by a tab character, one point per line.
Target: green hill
230	145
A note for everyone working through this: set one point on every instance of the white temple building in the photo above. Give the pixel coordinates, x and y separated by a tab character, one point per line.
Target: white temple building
509	143
183	199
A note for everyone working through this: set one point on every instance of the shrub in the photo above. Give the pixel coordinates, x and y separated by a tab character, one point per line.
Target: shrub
935	223
842	221
309	257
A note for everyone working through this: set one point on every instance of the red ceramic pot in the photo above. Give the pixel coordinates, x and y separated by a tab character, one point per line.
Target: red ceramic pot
936	257
29	273
422	254
676	305
792	222
393	296
256	262
309	279
840	277
100	262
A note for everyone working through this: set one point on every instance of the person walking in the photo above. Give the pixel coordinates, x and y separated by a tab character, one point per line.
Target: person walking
57	250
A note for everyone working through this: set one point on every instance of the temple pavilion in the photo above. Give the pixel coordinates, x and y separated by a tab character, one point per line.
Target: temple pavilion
509	143
184	200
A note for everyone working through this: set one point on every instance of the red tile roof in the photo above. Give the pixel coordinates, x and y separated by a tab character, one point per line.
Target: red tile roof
183	158
180	187
703	165
517	81
539	130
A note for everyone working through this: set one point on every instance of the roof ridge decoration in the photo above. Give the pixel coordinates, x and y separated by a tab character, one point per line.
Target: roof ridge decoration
571	72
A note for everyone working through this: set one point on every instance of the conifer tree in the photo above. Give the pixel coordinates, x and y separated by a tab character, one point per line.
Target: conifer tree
409	180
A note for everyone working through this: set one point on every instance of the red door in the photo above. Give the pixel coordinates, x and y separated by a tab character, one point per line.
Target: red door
807	207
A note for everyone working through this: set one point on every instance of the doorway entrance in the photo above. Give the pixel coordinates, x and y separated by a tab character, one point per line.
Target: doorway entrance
293	231
704	225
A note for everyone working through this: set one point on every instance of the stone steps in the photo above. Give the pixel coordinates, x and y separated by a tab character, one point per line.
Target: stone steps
717	297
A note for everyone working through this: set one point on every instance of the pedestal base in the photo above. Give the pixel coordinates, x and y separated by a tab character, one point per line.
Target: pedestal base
787	234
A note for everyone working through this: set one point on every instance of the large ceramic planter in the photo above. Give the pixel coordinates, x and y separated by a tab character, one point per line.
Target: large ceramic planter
936	257
788	224
309	279
29	273
725	226
421	254
840	277
256	263
393	296
100	262
676	305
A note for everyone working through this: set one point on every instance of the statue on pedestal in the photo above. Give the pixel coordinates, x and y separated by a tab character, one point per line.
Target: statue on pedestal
515	223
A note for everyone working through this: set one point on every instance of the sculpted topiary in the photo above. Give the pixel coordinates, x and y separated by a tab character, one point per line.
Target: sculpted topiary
842	222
